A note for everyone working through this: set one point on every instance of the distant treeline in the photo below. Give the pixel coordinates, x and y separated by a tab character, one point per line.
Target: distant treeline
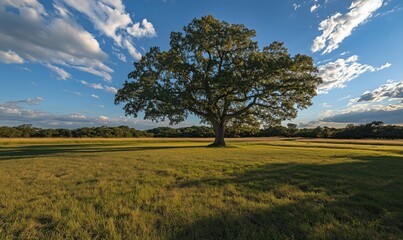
374	129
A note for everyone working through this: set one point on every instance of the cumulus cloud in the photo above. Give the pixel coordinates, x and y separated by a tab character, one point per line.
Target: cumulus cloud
10	57
29	31
61	73
111	19
339	26
99	86
145	30
391	91
108	16
336	74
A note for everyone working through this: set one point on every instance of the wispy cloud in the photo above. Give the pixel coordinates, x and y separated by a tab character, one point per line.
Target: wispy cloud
61	73
314	7
29	101
10	57
99	86
344	98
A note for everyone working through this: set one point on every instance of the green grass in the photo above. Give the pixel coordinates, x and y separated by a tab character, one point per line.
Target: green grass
180	189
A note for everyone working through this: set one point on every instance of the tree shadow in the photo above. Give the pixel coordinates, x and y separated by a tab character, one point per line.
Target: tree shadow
360	199
25	152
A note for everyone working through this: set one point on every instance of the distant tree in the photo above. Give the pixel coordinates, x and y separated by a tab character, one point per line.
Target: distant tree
216	71
292	129
26	130
377	124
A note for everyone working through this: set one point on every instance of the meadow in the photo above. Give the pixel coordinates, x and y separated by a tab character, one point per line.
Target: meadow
263	188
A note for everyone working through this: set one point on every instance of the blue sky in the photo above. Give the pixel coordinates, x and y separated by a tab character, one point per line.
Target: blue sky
61	61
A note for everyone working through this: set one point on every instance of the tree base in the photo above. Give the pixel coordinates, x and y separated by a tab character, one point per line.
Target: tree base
217	145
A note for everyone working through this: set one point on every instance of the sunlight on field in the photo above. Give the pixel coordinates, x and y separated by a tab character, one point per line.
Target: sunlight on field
180	189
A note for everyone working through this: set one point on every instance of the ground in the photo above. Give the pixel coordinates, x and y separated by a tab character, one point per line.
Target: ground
181	189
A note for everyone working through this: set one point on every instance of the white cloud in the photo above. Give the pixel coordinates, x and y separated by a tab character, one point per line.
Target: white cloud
296	6
10	57
314	7
103	118
344	98
146	30
99	86
110	89
92	85
36	36
95	96
336	74
339	26
106	76
108	16
326	105
60	10
121	56
62	74
132	50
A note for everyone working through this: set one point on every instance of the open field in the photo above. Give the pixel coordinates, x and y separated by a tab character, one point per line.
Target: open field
180	189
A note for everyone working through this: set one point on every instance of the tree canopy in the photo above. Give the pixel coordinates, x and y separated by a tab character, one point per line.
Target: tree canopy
216	71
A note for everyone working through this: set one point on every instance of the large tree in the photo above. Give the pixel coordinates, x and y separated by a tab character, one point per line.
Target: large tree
216	71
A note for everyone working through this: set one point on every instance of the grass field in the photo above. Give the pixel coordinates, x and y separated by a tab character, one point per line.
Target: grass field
180	189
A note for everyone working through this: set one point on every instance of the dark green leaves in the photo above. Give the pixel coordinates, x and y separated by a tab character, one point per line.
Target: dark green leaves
216	71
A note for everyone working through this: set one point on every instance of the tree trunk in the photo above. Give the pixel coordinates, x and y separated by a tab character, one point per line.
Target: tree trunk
219	130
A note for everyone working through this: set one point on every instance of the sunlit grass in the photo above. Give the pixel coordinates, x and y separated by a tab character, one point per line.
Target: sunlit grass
180	189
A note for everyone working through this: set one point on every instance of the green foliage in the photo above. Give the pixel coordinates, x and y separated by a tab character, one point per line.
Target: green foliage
176	189
235	129
26	131
216	71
